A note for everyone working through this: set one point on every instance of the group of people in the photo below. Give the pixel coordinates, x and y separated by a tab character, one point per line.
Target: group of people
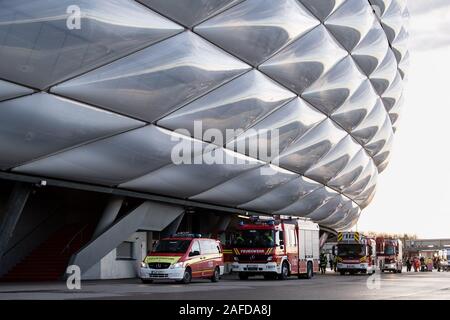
421	264
324	261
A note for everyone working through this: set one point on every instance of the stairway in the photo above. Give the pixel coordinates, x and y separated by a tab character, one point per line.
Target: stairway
49	261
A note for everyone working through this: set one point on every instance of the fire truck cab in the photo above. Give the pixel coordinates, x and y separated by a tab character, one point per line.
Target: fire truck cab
276	248
355	253
390	254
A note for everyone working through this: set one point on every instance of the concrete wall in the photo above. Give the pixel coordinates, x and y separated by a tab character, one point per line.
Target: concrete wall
110	267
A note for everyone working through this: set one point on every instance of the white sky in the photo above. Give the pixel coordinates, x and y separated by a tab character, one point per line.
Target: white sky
414	191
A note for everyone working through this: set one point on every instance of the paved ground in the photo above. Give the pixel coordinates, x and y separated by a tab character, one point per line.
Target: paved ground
429	285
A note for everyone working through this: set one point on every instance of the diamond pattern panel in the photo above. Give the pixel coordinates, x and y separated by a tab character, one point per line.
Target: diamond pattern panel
46	42
114	103
255	29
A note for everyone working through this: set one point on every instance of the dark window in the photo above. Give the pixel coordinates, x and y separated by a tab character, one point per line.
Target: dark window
172	246
125	250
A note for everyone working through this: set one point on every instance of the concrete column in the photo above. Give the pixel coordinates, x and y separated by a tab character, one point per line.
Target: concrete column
109	215
323	239
172	228
223	223
14	209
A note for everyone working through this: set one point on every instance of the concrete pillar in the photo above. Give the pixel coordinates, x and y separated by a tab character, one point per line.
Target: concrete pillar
172	228
109	215
16	203
223	223
323	239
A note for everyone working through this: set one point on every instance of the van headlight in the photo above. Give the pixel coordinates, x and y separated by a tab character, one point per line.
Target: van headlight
144	265
177	265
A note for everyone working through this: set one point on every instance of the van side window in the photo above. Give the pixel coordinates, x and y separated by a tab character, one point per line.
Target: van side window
204	245
195	247
214	247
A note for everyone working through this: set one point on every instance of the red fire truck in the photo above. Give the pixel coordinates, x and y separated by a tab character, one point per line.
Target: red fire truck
355	253
390	254
276	248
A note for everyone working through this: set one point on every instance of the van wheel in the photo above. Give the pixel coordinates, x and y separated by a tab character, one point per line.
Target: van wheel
243	276
284	271
216	275
146	281
187	276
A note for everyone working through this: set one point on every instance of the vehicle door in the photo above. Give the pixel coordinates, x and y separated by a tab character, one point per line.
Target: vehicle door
194	259
207	263
292	248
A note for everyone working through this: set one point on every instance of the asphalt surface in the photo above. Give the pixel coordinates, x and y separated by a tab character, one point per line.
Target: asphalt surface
427	285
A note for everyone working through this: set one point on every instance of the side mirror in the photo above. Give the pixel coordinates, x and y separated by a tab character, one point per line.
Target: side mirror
194	253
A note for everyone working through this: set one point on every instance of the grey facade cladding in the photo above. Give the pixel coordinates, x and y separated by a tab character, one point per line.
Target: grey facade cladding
99	103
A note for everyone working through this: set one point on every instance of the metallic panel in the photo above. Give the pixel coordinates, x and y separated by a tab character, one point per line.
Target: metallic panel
311	147
324	8
142	85
186	180
10	90
113	160
255	29
282	195
290	121
189	12
299	65
41	124
330	91
247	186
236	105
43	44
325	75
351	22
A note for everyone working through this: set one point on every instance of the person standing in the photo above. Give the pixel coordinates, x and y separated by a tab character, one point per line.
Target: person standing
331	261
323	263
408	264
416	264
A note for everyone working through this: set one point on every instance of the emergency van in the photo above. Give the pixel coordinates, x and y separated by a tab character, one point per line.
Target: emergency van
276	248
183	257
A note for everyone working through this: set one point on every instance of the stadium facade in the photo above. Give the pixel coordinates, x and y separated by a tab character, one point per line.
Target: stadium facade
95	96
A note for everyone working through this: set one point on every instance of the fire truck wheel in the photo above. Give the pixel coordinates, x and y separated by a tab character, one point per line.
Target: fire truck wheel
187	277
243	276
216	275
284	271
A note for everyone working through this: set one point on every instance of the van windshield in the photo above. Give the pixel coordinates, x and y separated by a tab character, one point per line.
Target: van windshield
172	246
